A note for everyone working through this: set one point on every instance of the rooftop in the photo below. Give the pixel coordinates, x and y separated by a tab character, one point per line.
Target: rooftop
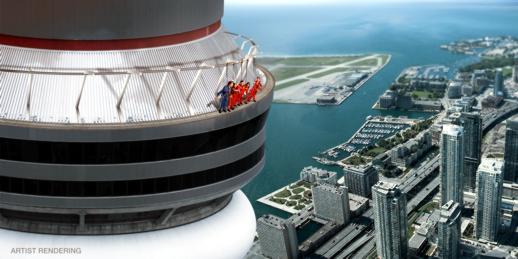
452	130
449	211
386	187
337	189
272	221
491	165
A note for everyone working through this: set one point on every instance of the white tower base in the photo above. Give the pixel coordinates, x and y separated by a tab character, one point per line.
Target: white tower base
226	234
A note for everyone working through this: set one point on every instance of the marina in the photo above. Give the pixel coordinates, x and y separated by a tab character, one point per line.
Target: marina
372	131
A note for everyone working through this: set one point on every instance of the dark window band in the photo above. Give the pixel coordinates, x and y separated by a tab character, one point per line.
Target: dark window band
129	152
133	187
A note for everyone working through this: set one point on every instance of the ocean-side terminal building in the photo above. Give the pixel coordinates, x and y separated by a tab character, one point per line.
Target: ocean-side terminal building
390	220
109	125
489	199
452	163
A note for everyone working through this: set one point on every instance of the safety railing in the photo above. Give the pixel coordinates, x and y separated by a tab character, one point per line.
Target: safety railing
245	64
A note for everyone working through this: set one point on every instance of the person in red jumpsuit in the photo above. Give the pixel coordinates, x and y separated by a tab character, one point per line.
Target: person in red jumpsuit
246	92
235	95
240	89
256	88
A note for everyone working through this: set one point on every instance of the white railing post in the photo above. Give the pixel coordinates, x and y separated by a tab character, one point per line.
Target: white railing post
126	82
78	101
193	85
161	88
31	79
239	72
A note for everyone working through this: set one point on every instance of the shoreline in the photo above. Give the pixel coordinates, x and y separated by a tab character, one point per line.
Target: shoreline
355	88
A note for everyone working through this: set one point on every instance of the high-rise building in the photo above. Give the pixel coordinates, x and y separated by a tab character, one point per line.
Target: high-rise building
449	231
331	202
360	179
489	199
277	237
452	163
390	220
472	124
498	89
111	131
515	74
511	151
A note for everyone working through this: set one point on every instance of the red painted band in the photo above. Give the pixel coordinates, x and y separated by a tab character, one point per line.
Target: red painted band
93	45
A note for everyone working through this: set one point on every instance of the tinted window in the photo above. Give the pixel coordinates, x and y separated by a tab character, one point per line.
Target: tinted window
128	152
133	187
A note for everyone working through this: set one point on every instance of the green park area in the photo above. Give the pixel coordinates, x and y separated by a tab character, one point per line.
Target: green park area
424	95
297	195
491	63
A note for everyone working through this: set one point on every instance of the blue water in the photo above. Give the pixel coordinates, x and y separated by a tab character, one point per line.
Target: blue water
411	33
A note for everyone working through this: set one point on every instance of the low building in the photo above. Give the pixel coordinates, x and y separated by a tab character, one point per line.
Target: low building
388	99
353	79
331	202
404	102
357	204
316	175
277	237
492	102
427	105
429	85
467	90
454	90
479	81
360	179
419	242
408	153
326	100
465	103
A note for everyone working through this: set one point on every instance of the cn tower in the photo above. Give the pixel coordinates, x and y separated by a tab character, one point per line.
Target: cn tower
112	144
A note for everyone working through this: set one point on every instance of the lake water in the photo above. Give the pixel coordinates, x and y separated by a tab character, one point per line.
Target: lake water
411	33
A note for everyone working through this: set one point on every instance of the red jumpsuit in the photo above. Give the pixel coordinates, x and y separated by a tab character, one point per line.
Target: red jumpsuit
246	89
256	88
234	97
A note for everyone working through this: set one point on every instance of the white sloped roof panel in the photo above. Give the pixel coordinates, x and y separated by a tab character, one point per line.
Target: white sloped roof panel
63	98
